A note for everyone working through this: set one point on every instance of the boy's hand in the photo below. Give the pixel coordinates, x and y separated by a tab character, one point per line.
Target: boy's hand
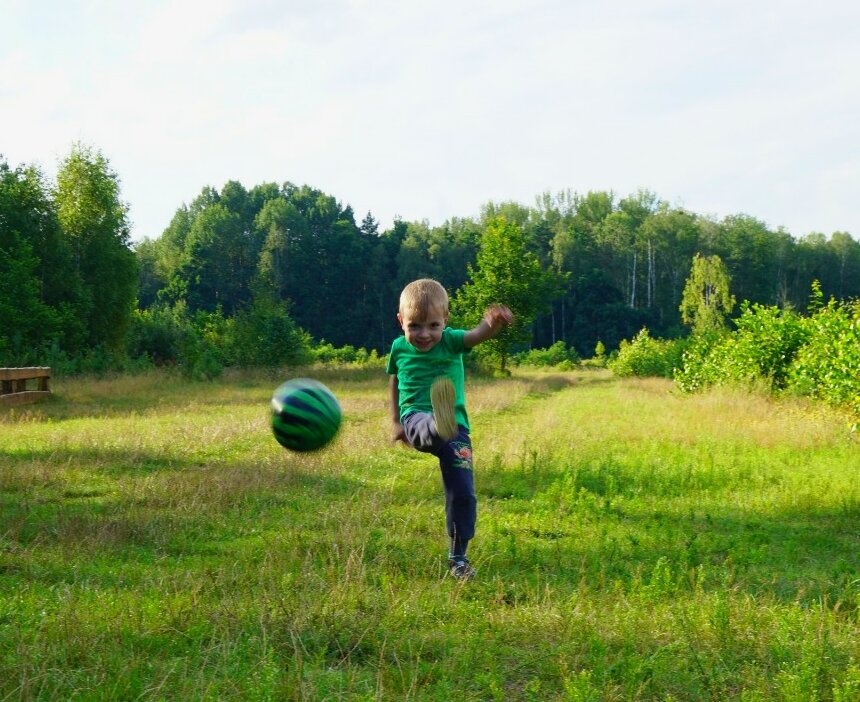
498	314
495	317
397	433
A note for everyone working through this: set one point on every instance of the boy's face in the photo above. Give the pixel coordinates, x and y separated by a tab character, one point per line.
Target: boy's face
423	333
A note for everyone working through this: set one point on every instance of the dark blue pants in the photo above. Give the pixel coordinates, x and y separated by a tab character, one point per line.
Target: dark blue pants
458	477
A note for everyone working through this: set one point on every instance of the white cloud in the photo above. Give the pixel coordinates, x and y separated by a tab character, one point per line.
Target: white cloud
427	110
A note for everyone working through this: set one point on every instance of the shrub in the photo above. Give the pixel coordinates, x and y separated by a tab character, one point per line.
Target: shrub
817	356
646	356
198	357
697	371
169	336
263	335
97	360
155	333
763	347
558	355
828	365
600	359
761	350
327	354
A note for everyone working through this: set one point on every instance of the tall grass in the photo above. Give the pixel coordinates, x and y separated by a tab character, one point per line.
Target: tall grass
634	544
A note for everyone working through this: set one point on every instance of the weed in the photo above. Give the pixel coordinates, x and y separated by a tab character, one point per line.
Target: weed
633	543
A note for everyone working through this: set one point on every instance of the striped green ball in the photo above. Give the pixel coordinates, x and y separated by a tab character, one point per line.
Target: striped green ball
305	415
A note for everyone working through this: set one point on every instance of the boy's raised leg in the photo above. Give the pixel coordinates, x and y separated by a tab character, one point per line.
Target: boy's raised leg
442	397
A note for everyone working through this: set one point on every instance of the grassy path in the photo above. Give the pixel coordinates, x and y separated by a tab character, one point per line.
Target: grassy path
634	544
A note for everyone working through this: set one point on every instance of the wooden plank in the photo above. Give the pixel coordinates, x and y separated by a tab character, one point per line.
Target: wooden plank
13	385
22	398
24	373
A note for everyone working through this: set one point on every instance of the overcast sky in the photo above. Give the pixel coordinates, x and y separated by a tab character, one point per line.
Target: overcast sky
427	110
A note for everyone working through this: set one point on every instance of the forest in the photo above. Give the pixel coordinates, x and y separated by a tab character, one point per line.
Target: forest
248	275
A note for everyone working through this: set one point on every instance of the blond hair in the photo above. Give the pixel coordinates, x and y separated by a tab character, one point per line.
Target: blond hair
422	298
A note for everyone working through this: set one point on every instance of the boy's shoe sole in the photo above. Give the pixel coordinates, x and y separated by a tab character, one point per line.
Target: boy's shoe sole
442	397
461	569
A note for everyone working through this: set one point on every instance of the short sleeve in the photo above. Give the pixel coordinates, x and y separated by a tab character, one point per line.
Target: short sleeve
391	367
456	340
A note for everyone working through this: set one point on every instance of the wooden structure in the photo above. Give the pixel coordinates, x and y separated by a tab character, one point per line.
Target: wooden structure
13	385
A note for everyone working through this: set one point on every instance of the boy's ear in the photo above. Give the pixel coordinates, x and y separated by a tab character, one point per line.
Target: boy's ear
399	319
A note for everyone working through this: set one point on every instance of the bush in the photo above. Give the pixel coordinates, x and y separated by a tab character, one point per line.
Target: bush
97	360
167	336
828	365
817	356
765	344
198	357
155	333
263	335
645	356
327	354
761	350
558	355
697	371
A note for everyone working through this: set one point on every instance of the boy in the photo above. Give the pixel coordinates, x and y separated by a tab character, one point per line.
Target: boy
428	404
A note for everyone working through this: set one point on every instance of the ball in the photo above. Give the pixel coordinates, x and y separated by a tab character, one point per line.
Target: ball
305	415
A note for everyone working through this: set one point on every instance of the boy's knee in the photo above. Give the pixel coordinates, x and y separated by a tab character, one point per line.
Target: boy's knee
464	498
419	432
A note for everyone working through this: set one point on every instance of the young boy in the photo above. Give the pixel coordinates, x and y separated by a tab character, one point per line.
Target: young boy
428	404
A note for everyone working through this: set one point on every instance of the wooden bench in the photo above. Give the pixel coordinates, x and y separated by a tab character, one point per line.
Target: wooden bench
13	385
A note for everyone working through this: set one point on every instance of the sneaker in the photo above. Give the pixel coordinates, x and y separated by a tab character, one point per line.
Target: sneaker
460	568
442	397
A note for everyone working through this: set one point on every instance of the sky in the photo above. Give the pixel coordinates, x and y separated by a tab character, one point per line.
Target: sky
428	110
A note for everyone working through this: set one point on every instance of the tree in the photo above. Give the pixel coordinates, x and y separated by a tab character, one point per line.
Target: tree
387	284
315	256
94	221
675	237
213	269
282	260
813	260
635	211
413	257
24	319
577	251
31	238
706	300
750	253
506	272
149	282
847	254
442	253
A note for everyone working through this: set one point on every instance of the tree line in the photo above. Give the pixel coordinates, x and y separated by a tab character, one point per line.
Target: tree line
68	274
239	261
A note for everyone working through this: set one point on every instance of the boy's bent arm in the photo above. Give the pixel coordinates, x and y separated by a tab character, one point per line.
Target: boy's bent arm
494	319
394	398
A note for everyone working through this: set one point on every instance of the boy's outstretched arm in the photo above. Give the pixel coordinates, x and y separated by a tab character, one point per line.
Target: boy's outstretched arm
494	319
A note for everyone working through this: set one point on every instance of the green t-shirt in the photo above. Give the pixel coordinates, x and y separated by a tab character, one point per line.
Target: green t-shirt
416	370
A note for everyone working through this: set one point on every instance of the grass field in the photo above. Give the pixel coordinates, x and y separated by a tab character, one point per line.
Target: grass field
633	544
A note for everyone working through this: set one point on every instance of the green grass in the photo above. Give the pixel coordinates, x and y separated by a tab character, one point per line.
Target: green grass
633	544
